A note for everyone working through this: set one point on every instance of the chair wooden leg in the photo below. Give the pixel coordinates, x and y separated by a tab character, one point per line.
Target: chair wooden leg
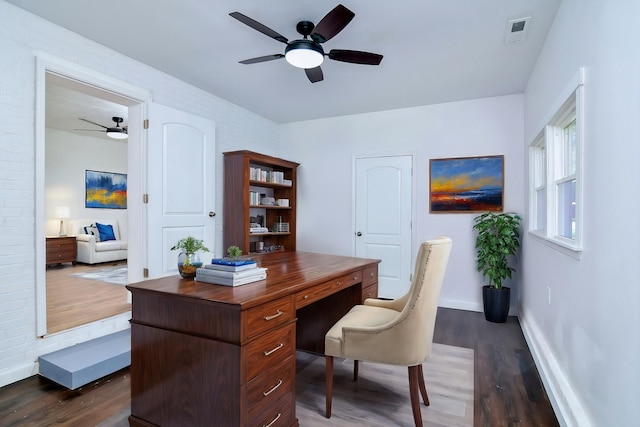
355	370
328	384
423	388
414	373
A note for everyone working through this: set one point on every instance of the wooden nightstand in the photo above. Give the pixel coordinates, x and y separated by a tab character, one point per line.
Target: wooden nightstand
61	249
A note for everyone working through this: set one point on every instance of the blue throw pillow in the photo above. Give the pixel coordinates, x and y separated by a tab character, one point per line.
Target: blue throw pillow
106	232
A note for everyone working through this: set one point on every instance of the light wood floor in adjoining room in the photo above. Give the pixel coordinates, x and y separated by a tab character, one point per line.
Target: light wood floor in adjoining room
73	301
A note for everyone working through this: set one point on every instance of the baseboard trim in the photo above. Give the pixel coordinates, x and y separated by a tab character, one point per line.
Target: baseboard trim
18	373
566	405
460	305
471	306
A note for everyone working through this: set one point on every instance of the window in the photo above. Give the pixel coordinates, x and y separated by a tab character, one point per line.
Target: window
556	174
540	185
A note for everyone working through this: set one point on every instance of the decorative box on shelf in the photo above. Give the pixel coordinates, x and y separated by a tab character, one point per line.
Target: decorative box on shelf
280	227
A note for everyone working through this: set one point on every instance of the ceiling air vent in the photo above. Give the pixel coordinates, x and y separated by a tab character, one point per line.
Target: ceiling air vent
517	30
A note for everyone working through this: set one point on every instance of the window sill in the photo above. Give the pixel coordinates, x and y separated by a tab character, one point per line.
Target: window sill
557	244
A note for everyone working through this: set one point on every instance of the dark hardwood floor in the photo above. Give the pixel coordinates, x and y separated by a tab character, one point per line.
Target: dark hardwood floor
508	390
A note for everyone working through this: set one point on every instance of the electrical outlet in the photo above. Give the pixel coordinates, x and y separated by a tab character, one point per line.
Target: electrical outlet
549	295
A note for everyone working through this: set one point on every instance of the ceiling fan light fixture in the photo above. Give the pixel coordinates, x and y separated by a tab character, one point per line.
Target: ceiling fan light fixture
117	133
304	54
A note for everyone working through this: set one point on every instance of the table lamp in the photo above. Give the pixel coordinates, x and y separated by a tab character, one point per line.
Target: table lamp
62	212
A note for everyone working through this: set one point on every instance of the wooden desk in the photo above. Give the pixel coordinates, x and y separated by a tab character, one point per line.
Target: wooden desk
210	355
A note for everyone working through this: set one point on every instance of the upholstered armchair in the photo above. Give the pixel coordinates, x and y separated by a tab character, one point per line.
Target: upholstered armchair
396	332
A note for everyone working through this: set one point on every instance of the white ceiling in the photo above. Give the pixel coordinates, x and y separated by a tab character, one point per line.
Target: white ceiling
434	51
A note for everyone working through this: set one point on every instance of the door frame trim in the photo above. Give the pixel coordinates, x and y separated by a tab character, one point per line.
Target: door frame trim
100	85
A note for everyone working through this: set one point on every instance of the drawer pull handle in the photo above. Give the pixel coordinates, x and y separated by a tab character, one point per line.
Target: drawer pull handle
306	297
273	316
274	420
275	387
355	277
371	274
278	347
338	283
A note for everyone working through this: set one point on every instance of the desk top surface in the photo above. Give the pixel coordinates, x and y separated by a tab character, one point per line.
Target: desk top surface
287	273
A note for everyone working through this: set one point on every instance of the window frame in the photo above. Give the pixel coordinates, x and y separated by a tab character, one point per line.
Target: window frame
548	146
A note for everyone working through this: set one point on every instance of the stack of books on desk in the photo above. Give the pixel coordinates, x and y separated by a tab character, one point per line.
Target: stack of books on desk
230	272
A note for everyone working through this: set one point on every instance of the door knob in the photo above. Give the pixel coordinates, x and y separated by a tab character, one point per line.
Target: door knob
359	233
212	214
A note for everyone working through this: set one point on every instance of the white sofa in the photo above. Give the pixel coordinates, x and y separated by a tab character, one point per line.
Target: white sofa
93	251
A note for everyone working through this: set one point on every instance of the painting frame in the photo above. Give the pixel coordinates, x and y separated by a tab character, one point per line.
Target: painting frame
466	184
105	190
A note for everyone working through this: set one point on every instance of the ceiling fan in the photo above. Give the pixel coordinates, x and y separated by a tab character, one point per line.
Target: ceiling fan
112	132
307	53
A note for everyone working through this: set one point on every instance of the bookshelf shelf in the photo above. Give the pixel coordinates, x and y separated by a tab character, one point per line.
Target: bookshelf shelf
268	207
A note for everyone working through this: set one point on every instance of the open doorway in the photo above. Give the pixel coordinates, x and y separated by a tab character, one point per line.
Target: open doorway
64	156
82	288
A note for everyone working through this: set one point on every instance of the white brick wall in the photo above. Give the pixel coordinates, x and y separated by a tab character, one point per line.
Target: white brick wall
22	36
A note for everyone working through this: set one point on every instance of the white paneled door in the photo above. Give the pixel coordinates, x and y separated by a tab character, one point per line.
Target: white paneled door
383	219
181	185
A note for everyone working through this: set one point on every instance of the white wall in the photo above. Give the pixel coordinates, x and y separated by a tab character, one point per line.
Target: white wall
67	156
587	341
327	148
22	37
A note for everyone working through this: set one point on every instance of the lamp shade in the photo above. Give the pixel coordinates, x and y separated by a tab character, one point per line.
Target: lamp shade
62	212
304	54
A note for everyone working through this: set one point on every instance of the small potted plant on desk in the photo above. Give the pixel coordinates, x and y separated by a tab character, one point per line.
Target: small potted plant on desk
498	239
188	259
234	252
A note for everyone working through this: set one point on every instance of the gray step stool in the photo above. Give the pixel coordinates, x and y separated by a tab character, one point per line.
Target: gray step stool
82	363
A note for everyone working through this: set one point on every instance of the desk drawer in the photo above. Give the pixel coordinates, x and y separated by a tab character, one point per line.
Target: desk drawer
370	291
267	316
268	350
370	275
268	387
280	414
322	290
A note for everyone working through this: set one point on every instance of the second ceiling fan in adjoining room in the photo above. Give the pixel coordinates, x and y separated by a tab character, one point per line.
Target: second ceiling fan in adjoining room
116	132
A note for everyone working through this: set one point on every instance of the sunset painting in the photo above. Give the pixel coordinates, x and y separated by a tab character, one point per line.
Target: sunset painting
466	184
105	190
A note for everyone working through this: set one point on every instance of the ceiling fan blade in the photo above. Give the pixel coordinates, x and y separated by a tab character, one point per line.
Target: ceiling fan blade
93	123
332	24
355	56
90	130
314	74
258	26
262	59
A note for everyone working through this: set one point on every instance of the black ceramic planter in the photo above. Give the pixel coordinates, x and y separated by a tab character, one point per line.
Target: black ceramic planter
496	303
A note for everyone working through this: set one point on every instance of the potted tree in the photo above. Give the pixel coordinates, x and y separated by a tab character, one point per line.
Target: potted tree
188	260
497	240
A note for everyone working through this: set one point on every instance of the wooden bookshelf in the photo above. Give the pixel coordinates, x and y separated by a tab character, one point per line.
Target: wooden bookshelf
240	208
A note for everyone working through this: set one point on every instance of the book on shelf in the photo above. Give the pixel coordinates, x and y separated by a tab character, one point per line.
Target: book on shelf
232	261
231	274
258	174
221	267
229	281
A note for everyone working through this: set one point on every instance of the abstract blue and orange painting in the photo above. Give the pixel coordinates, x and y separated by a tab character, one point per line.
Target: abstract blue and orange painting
105	190
466	184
